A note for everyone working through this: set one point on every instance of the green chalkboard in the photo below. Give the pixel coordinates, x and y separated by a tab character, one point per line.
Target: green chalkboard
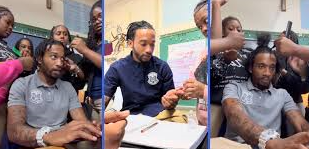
175	38
33	31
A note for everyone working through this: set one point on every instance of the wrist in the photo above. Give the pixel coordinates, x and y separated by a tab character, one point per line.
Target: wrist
47	139
228	42
40	136
266	137
205	92
83	50
297	51
272	143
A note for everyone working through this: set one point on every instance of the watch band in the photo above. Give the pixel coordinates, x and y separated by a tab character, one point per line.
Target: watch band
39	135
267	135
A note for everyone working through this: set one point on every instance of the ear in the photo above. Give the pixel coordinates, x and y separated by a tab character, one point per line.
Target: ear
130	43
40	60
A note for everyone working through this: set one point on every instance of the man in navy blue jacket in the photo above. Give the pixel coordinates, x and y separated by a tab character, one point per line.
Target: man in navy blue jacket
142	77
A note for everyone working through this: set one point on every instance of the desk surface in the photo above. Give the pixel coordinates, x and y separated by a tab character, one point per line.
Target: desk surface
223	143
78	145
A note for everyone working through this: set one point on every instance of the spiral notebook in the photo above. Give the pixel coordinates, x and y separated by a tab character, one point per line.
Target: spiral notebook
146	131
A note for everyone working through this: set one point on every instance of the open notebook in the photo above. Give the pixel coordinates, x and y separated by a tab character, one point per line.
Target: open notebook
162	134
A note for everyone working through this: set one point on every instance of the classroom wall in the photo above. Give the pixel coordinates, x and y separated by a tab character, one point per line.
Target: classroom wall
167	16
176	15
122	12
265	15
35	13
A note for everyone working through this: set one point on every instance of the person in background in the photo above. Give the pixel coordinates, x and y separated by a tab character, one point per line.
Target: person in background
6	28
24	47
288	48
73	72
11	69
92	57
194	88
293	78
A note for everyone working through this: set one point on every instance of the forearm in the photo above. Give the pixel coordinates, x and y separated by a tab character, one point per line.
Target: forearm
18	131
78	114
22	134
216	25
304	126
94	57
302	52
218	45
297	120
9	71
241	123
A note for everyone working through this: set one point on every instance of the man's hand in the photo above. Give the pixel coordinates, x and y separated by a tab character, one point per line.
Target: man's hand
70	66
193	89
112	117
297	141
97	124
114	128
79	44
285	46
235	40
171	98
27	63
73	131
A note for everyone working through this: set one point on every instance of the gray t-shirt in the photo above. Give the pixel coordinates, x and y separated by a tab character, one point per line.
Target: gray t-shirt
45	105
263	107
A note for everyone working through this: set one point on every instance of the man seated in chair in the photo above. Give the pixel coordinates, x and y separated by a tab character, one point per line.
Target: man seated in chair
39	104
142	77
254	108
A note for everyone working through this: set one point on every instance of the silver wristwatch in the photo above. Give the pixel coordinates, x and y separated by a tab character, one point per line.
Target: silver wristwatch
267	135
39	135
